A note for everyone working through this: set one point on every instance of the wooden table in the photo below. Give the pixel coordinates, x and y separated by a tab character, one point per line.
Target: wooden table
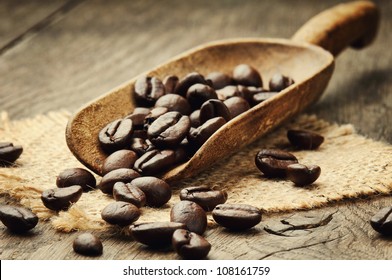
60	54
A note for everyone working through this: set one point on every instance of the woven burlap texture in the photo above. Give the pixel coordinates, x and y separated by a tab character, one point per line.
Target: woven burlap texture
352	166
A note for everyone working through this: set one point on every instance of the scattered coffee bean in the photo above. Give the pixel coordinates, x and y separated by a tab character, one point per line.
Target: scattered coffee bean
279	82
198	94
116	135
157	191
219	80
236	105
129	193
120	213
303	175
141	146
236	216
155	161
246	75
382	221
189	80
190	214
17	219
124	175
170	82
273	163
174	102
304	139
119	159
213	108
76	176
155	234
9	153
199	135
87	244
61	198
148	90
204	196
190	245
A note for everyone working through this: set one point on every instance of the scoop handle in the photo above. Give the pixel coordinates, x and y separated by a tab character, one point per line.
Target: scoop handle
352	24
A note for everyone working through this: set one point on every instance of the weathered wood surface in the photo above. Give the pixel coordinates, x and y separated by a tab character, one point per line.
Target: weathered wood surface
93	46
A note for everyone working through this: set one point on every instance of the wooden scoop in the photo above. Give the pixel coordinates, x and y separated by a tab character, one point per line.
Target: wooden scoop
308	58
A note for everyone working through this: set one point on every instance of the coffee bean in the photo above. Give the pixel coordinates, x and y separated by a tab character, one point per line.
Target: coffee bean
198	94
155	161
236	216
189	80
129	193
116	135
9	153
219	80
246	75
303	175
170	82
17	219
137	117
120	213
76	176
169	130
190	245
153	115
182	152
199	135
174	102
232	91
213	108
119	159
141	146
262	96
155	234
190	214
279	82
236	105
382	221
204	196
61	198
148	90
194	117
87	244
273	163
304	139
124	175
157	191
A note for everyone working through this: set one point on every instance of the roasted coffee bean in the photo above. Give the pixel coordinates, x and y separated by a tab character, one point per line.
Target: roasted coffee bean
304	139
190	214
87	244
170	82
198	94
148	90
273	163
302	175
189	80
236	105
236	216
141	146
169	130
174	102
382	221
61	198
246	75
124	175
155	234
17	219
204	196
76	176
190	245
137	117
9	153
116	135
153	115
199	135
214	108
155	161
262	96
219	80
279	82
232	91
120	213
119	159
157	191
194	117
129	193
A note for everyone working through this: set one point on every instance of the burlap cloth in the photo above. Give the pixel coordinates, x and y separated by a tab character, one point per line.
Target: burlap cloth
352	166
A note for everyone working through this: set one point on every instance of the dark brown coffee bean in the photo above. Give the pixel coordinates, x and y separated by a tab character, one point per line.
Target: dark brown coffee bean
189	80
214	108
155	234
153	115
246	75
279	82
119	159
116	135
61	198
141	146
232	91
304	139
169	130
198	94
120	213
262	96
273	163
382	221
236	105
170	82
155	161
9	153
157	191
190	214
174	102
17	219
148	90
199	135
194	117
124	175
76	176
87	244
236	216
302	175
137	117
219	80
204	196
182	152
129	193
190	245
